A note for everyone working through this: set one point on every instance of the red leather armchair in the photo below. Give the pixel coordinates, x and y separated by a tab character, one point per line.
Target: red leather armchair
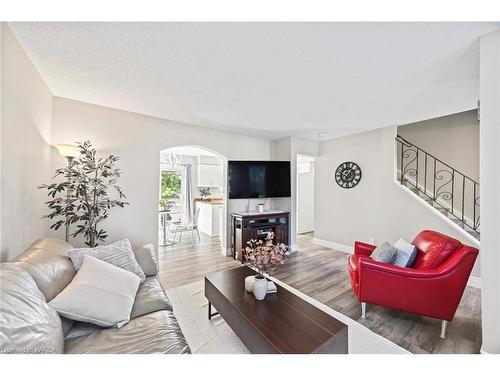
432	287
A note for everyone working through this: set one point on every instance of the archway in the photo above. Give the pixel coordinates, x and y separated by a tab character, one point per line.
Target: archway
192	192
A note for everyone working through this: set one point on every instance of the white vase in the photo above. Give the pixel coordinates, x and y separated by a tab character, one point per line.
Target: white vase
260	288
249	283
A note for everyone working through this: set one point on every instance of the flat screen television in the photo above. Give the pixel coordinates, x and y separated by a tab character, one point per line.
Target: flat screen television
258	179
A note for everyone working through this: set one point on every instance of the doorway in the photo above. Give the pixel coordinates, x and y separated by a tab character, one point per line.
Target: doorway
191	209
305	194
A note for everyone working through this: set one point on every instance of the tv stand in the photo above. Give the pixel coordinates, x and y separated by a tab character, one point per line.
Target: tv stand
246	226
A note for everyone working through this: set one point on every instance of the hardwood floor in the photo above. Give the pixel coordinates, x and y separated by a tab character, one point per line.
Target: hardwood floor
183	263
322	274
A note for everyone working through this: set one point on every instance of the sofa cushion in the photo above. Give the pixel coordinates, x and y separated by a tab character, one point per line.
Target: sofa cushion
67	325
118	254
27	323
80	329
47	261
158	332
433	249
100	293
150	297
145	256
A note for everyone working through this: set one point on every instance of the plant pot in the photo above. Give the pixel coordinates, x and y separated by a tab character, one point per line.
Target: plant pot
249	283
259	287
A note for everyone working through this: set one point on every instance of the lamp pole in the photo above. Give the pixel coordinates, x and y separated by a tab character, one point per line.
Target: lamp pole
69	151
68	195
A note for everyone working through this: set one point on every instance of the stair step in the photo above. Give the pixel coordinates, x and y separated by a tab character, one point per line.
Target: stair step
425	197
474	234
459	223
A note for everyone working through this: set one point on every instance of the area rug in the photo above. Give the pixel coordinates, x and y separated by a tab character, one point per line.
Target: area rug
214	336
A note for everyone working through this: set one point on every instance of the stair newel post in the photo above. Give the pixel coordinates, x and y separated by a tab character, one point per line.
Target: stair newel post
425	173
401	167
474	205
434	187
416	172
452	188
463	196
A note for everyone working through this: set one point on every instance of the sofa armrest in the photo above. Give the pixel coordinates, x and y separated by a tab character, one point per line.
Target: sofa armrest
362	248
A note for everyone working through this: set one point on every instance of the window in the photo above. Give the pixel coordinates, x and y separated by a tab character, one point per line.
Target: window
170	189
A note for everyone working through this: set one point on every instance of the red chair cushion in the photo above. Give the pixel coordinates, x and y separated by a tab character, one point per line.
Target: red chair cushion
433	248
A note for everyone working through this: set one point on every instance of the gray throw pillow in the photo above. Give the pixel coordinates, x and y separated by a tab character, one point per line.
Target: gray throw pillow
118	254
384	253
406	253
145	256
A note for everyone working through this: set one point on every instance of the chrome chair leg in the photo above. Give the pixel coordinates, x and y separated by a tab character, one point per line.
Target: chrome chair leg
444	324
363	310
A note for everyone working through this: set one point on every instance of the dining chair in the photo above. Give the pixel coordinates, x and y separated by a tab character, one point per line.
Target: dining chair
180	228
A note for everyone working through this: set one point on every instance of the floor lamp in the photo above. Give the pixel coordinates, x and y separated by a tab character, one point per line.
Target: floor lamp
69	152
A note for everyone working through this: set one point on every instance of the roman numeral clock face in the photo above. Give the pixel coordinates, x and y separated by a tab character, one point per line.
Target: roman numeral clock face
348	175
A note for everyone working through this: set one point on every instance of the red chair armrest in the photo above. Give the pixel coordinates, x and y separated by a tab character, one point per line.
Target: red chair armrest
362	248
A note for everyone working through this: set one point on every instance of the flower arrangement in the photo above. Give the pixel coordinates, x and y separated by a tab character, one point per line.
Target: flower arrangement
265	255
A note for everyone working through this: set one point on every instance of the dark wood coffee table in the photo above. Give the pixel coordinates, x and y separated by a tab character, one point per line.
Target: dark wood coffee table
281	323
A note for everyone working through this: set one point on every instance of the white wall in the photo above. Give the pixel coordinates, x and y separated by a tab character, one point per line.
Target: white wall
305	195
453	139
376	208
298	146
490	188
138	140
25	148
287	149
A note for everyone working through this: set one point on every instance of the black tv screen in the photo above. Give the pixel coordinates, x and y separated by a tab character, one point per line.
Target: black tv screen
258	179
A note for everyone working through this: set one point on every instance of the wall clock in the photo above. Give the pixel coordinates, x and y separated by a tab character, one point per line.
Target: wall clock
348	174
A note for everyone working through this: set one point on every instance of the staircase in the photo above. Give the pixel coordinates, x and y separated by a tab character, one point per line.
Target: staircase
450	192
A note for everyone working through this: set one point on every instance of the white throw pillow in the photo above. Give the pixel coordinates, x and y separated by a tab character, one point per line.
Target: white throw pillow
406	253
118	254
100	293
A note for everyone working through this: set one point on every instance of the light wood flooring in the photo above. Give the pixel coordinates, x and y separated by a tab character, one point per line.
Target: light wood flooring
322	274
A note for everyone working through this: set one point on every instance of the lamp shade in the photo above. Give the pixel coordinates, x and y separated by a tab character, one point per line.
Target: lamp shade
68	151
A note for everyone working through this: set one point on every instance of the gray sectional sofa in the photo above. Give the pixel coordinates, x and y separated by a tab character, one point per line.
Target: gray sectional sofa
29	325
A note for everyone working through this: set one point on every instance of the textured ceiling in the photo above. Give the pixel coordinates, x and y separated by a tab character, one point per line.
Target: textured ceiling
264	79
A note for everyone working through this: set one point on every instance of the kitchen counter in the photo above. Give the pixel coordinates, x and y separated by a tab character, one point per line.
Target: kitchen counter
210	216
212	201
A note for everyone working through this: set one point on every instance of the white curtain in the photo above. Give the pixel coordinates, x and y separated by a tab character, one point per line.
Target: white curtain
188	193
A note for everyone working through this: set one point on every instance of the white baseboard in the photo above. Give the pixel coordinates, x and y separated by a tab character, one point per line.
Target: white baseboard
474	282
481	351
334	245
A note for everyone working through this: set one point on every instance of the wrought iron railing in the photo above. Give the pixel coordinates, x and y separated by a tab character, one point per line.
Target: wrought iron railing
439	183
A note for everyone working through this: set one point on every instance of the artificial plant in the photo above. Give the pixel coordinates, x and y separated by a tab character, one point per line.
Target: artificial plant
87	195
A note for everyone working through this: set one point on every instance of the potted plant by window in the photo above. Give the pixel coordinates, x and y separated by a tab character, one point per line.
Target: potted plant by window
264	256
204	192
